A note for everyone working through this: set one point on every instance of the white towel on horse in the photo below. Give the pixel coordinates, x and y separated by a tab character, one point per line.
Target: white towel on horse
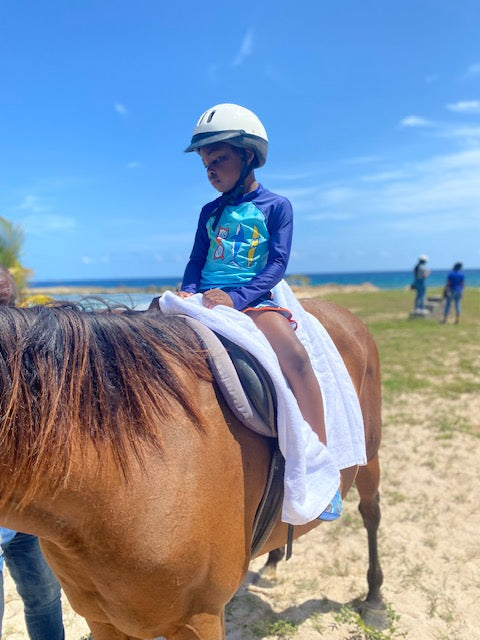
311	470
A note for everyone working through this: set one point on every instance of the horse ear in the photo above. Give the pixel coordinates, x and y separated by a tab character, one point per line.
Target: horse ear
155	304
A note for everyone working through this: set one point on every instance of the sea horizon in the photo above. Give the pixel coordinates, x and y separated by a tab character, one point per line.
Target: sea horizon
380	279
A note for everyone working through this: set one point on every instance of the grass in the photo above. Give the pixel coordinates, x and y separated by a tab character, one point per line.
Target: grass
420	355
360	631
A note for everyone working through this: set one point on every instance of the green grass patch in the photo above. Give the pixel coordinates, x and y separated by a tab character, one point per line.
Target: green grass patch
420	355
278	629
360	631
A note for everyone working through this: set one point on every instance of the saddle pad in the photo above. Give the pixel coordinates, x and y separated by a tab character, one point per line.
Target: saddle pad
227	378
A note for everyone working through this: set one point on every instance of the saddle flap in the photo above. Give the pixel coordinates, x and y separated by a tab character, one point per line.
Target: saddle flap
244	384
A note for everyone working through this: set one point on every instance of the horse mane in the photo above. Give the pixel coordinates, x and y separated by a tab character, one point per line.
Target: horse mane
69	376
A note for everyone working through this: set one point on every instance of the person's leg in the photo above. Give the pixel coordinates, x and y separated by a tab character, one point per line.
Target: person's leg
457	296
37	586
295	365
417	299
2	600
420	297
446	309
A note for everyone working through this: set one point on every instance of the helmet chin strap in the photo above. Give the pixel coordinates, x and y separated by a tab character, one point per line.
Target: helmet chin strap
237	189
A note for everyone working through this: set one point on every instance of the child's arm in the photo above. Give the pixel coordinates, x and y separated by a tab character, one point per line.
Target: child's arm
193	270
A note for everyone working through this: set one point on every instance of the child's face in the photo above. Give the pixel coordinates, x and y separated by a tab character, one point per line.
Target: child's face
223	163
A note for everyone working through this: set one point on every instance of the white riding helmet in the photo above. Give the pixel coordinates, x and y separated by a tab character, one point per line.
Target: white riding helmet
234	124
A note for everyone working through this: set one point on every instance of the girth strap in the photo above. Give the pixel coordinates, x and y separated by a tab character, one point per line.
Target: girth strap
271	503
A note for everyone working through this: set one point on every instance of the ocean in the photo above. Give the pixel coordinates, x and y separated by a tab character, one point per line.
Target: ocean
380	279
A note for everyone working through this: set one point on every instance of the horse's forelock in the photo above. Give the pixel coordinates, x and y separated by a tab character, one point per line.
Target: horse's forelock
67	375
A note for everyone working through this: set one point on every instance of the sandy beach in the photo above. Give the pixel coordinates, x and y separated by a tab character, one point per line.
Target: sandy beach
429	543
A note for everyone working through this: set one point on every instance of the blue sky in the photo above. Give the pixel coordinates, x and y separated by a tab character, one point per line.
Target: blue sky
372	110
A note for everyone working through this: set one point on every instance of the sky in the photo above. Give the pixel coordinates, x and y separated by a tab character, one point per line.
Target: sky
372	109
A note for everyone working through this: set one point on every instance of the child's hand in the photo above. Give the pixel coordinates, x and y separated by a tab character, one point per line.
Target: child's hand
184	294
212	297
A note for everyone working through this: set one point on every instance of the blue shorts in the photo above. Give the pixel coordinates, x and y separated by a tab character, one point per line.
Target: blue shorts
265	303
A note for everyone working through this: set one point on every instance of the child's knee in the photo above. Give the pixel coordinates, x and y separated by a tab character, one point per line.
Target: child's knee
298	361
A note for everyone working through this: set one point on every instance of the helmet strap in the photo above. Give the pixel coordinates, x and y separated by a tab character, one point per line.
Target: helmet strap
238	188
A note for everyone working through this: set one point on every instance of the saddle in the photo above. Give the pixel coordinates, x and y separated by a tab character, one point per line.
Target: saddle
250	394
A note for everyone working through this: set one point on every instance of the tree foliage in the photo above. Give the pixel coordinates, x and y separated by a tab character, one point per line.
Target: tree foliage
11	241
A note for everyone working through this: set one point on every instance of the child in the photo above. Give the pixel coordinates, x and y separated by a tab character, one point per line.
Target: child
242	246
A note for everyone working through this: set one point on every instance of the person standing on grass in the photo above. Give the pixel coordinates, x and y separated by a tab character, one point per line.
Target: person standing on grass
420	275
242	246
453	291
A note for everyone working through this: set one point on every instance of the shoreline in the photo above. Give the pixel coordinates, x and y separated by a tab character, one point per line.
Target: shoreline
303	290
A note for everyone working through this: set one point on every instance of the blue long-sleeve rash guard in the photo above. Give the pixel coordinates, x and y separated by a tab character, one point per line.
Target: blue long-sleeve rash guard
248	252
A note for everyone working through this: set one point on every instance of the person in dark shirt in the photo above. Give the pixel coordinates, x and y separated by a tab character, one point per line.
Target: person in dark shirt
453	291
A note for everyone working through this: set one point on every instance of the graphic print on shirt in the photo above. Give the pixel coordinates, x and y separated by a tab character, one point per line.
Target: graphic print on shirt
219	253
238	247
238	239
253	244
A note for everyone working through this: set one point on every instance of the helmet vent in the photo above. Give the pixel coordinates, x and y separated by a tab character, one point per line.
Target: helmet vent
209	119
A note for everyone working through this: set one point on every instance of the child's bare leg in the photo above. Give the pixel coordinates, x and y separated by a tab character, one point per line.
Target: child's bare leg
295	365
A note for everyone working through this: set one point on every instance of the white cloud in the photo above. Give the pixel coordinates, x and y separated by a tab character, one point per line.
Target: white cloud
440	195
443	192
473	70
415	121
39	219
121	109
105	259
384	176
469	136
363	159
465	106
46	223
336	195
336	216
246	48
32	203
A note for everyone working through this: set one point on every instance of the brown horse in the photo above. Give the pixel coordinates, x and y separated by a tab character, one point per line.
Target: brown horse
118	452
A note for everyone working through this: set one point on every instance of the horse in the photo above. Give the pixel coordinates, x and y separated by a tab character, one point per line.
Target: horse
118	451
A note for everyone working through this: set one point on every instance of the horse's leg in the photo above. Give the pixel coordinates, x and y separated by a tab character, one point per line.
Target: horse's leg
373	608
267	575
